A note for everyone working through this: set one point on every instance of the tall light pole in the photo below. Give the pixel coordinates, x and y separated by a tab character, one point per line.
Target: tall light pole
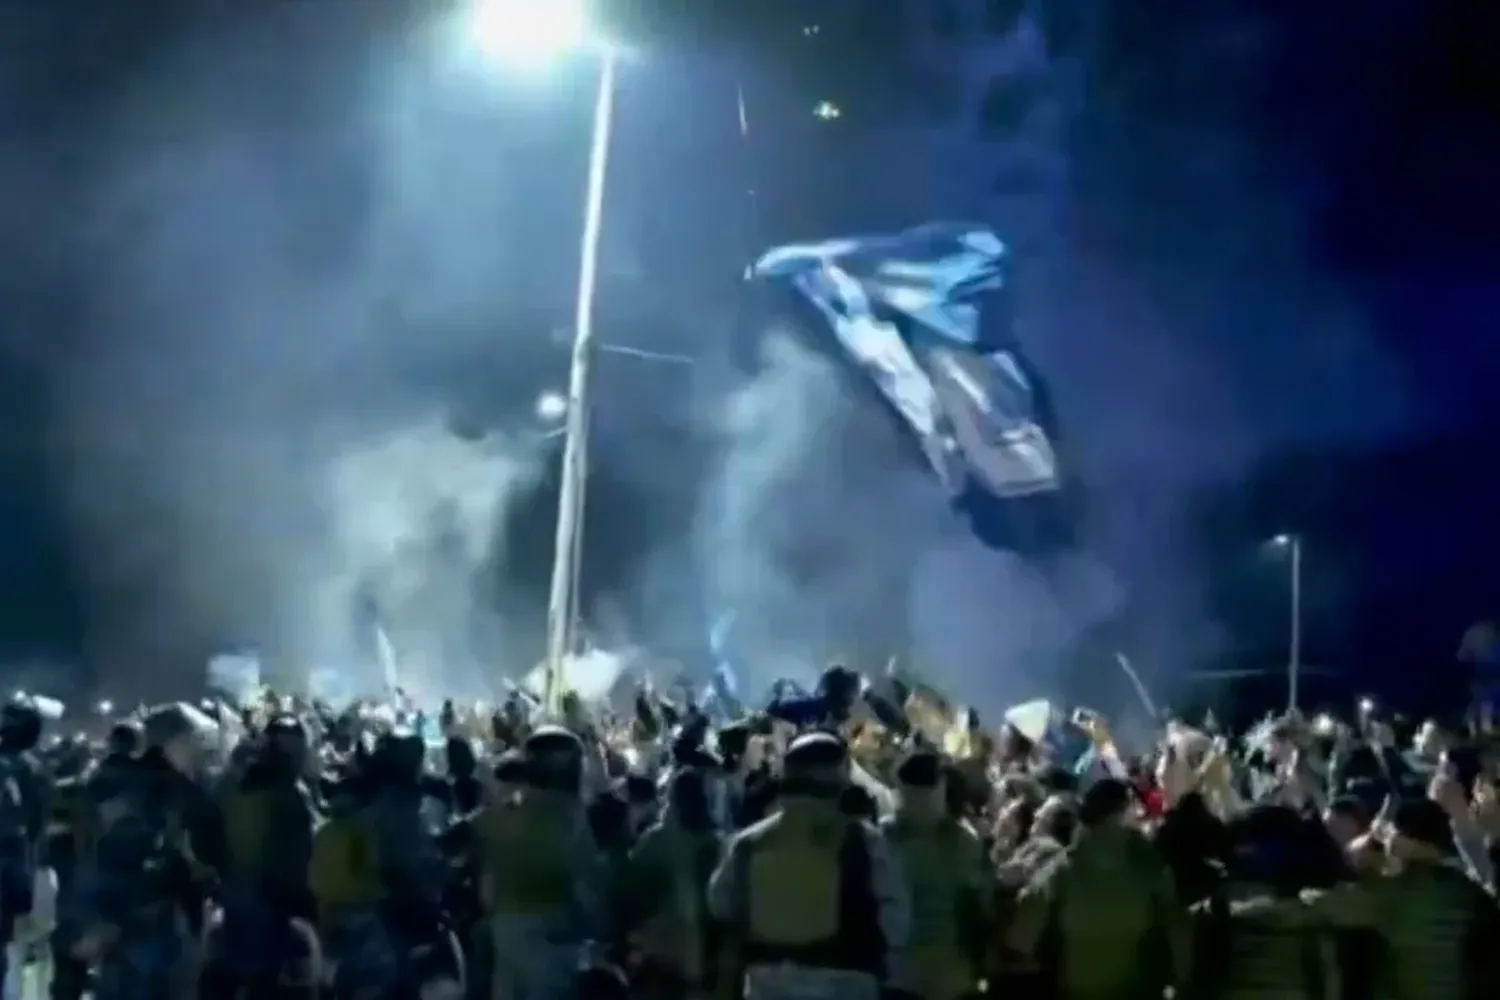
1292	545
526	34
562	597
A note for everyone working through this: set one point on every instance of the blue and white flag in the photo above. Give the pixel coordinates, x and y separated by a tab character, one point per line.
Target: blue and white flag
904	310
722	694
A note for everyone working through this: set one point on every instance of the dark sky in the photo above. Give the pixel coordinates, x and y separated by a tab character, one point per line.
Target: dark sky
1280	241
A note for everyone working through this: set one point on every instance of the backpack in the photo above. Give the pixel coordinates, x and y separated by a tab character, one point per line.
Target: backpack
247	823
344	871
859	933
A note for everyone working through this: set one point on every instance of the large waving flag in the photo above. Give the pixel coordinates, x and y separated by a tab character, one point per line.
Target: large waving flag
905	310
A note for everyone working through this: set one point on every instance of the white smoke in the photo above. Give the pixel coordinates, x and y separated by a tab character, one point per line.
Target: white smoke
255	445
413	519
789	536
828	538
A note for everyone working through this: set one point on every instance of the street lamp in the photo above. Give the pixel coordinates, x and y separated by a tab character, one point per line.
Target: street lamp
516	34
528	35
1292	545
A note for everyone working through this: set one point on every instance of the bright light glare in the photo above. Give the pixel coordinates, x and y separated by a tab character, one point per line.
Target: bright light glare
1282	541
551	406
527	33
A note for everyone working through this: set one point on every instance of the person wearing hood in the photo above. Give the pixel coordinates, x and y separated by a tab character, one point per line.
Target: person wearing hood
1102	920
665	908
812	902
541	873
947	879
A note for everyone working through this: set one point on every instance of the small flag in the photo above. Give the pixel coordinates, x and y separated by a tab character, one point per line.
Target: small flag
236	676
929	714
723	692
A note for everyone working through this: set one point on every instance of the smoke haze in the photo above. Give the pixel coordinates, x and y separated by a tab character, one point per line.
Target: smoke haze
298	276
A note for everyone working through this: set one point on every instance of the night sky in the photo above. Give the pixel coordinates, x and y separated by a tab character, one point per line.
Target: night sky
1268	280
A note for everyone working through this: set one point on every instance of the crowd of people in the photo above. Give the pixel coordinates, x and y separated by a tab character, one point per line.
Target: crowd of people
863	839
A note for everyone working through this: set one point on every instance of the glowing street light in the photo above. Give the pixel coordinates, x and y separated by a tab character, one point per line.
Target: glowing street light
526	34
551	406
530	35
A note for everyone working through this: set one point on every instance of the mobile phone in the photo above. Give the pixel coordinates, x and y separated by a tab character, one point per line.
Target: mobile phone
1085	718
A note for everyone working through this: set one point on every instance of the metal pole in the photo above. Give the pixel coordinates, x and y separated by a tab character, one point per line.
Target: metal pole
1294	642
565	565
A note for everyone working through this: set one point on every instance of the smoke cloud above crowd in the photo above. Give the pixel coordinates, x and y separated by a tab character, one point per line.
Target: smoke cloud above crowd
323	295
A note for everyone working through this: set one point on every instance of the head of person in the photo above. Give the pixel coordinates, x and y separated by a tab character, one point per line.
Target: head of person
840	686
286	742
1346	819
124	740
20	726
923	783
1422	832
400	756
176	732
554	760
816	766
1105	804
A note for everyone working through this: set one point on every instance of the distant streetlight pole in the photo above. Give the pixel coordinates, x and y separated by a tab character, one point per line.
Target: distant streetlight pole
1292	545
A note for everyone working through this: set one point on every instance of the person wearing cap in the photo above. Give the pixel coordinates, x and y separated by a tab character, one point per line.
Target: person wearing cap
1109	907
541	873
812	901
1437	930
950	885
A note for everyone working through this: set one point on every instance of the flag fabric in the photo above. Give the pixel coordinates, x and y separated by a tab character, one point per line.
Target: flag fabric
794	704
236	676
929	713
722	694
1046	723
904	310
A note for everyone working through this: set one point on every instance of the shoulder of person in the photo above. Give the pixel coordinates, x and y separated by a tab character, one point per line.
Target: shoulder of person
755	832
654	837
